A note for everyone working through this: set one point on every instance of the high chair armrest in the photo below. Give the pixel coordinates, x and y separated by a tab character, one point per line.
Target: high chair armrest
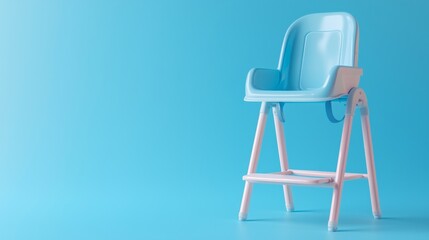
348	73
346	79
263	79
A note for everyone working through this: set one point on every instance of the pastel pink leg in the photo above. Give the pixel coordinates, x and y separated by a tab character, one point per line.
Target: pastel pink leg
253	160
369	155
281	145
339	177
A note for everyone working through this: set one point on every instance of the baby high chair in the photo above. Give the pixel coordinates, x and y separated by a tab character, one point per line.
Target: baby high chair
318	63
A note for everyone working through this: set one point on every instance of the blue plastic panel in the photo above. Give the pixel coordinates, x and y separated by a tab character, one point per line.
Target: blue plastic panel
321	55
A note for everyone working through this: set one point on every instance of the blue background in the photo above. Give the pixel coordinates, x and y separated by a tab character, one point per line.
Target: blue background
126	120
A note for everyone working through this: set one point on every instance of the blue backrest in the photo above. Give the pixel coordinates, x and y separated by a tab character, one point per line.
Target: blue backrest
314	46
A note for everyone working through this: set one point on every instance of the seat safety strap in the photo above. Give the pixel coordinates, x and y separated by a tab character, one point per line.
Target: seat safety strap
330	114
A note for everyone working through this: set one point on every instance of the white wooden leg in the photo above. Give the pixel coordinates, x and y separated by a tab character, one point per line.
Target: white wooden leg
253	160
339	177
281	145
369	155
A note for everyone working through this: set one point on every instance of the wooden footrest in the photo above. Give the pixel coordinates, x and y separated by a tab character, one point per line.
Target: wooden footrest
299	177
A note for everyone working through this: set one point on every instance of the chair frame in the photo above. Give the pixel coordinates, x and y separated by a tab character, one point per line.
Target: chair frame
356	99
